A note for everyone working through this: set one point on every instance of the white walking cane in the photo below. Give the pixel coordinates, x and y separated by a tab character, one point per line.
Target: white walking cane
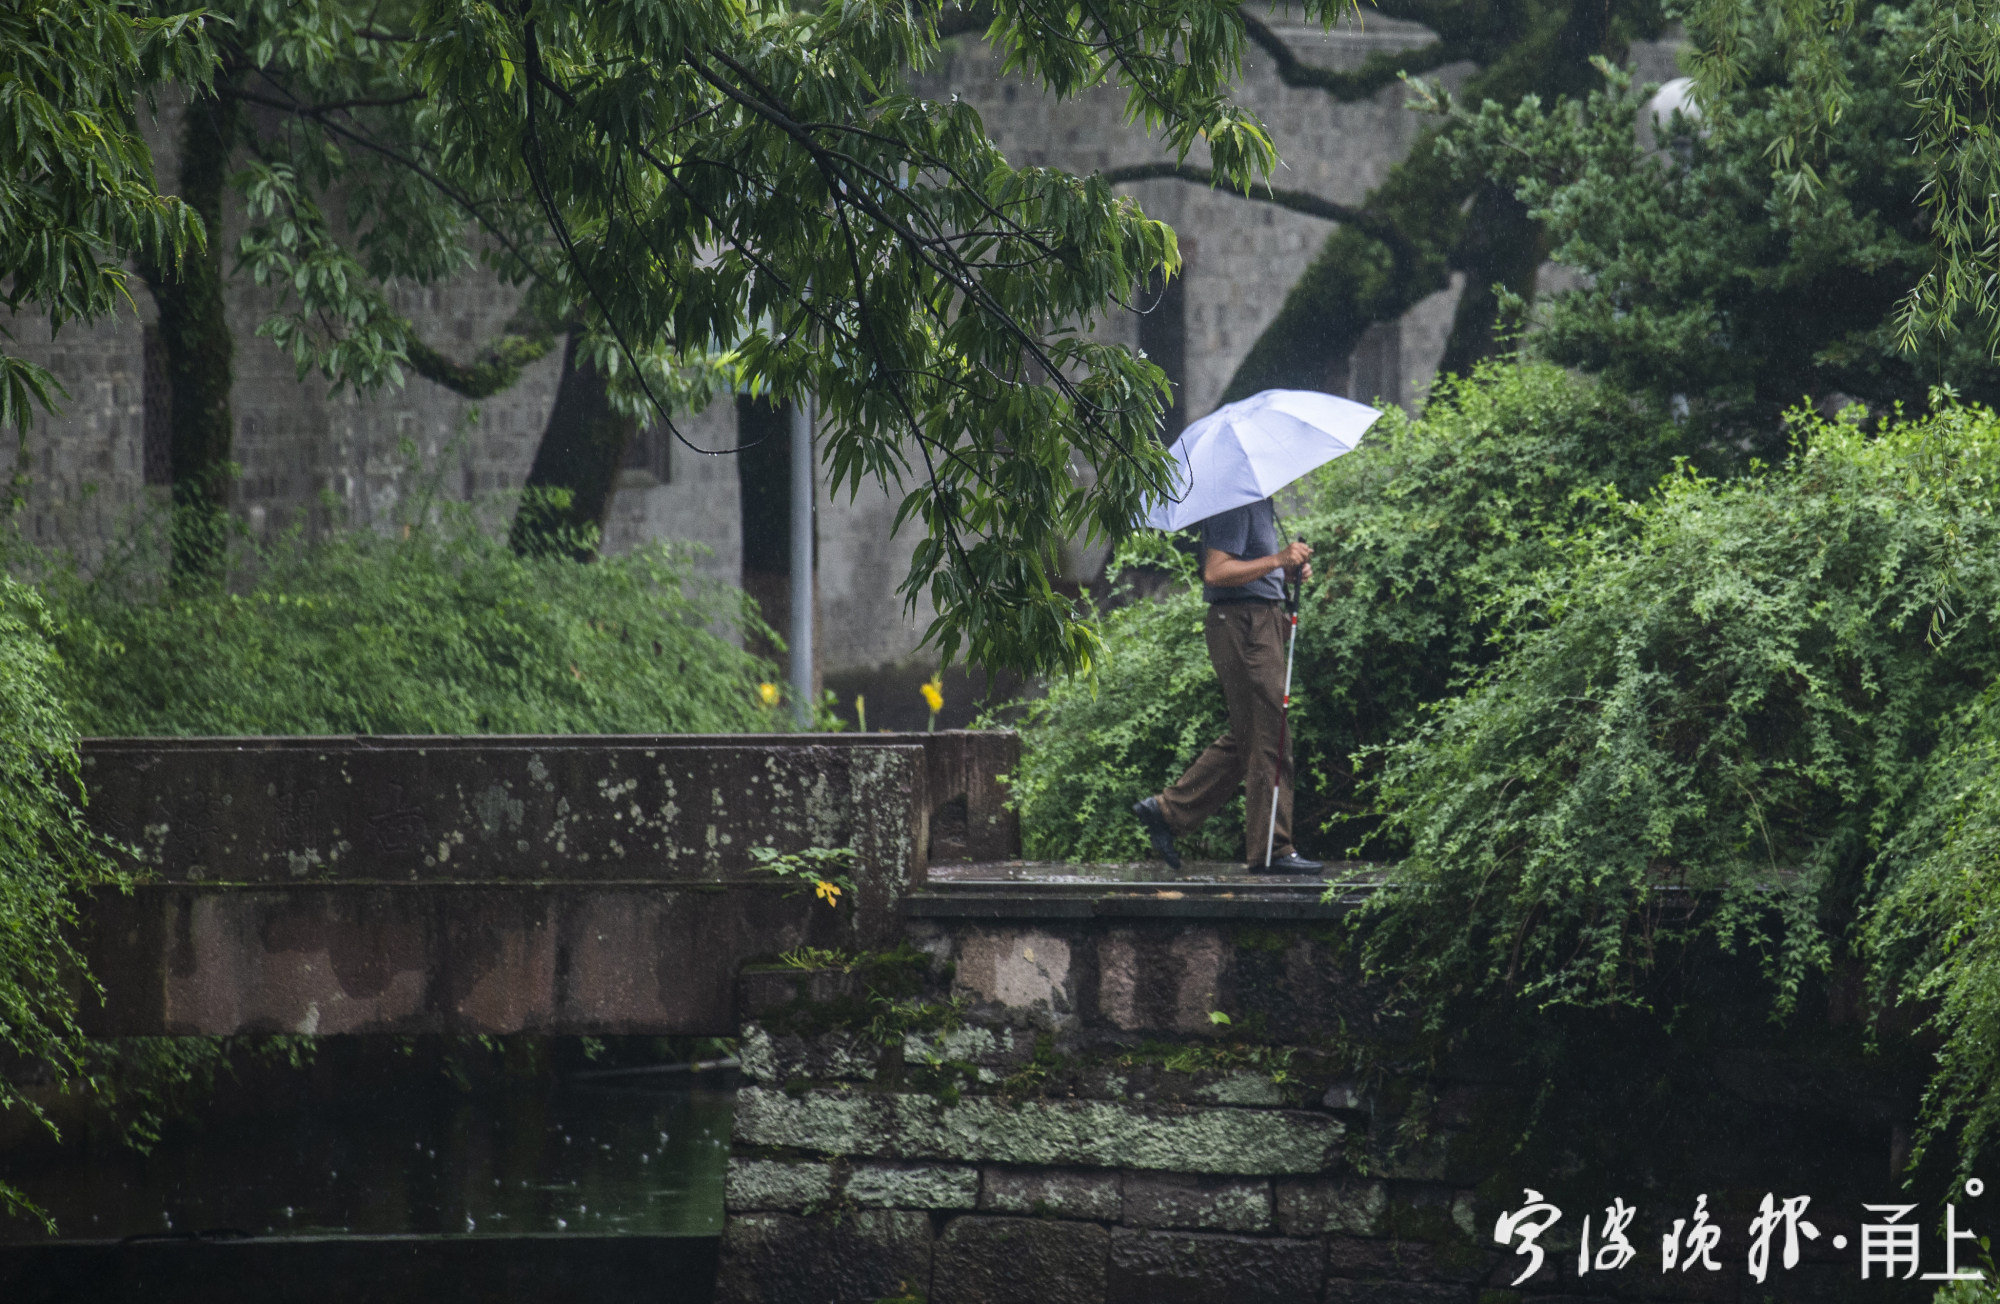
1285	719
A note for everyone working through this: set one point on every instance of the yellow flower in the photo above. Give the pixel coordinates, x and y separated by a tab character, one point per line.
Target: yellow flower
934	693
768	694
827	892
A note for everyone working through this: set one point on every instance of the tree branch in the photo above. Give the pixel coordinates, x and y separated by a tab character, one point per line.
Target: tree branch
964	20
1298	201
438	183
496	369
1383	68
308	109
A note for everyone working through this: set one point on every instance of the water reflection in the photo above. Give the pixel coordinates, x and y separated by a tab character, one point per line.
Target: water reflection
552	1155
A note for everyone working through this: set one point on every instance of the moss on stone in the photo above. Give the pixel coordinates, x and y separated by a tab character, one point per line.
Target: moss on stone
877	993
1082	1132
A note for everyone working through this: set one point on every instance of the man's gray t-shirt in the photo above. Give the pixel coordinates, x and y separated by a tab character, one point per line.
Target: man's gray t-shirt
1244	532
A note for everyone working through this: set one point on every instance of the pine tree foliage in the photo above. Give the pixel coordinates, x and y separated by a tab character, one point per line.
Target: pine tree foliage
1707	283
1949	79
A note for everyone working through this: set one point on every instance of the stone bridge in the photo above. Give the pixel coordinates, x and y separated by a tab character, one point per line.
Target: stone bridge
999	1081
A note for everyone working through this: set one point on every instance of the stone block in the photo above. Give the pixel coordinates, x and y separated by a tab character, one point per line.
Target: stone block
1351	1096
988	1048
1019	972
325	958
1427	1160
1314	1206
1191	1268
914	1186
1242	1088
1409	1260
832	1056
762	989
1093	1193
1340	1291
969	817
661	808
1200	1203
1070	1133
849	1258
982	1260
752	1184
1160	981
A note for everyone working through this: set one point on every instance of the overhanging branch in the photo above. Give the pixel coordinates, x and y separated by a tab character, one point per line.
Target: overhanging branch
497	368
1383	68
1298	201
963	20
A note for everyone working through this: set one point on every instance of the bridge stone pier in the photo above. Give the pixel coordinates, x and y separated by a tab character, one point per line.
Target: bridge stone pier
557	885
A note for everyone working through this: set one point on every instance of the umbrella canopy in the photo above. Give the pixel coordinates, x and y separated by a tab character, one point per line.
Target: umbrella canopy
1247	451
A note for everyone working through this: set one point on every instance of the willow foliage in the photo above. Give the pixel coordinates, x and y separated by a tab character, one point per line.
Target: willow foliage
1415	532
48	859
1934	933
1708	724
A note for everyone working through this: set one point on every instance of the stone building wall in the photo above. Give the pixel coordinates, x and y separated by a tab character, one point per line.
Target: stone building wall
311	457
1242	257
85	468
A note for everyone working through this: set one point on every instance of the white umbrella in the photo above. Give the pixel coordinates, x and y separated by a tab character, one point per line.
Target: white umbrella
1242	454
1247	451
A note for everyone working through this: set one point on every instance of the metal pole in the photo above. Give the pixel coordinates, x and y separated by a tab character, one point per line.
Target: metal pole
1284	724
1292	597
800	636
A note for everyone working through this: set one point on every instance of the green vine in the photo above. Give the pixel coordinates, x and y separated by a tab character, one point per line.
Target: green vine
821	869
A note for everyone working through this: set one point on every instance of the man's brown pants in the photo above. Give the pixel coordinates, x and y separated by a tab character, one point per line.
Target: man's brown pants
1246	645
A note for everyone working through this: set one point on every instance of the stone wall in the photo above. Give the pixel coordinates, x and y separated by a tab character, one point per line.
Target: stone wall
312	457
1056	1116
1242	257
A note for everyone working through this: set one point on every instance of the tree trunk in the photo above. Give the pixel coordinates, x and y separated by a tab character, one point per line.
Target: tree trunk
1501	246
576	466
199	353
1358	280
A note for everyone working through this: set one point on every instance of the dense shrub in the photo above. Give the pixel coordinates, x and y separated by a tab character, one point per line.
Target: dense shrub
1933	934
1416	532
47	857
440	629
1709	724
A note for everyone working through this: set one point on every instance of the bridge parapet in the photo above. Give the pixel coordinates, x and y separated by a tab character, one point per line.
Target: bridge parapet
651	807
504	884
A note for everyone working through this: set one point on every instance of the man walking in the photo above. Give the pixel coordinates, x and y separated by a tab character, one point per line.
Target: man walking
1243	577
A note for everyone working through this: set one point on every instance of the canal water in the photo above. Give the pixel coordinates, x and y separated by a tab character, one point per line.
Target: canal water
370	1143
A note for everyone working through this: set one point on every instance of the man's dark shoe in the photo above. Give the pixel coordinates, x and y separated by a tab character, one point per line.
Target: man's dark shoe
1155	824
1289	863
